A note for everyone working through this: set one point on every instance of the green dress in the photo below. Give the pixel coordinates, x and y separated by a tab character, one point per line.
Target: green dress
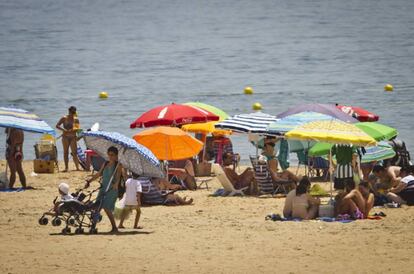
110	197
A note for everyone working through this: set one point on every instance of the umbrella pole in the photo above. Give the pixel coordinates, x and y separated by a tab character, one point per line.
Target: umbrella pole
332	173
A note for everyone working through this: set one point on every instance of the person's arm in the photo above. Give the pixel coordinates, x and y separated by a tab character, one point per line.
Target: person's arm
398	188
394	179
58	125
287	208
231	175
95	176
368	205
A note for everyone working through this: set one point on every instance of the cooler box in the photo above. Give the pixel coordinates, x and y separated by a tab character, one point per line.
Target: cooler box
44	166
326	211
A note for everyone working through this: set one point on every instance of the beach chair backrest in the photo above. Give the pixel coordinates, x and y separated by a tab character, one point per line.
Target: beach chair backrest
225	182
253	160
46	149
263	178
319	162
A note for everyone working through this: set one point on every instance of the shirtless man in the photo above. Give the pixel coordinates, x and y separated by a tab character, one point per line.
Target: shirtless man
388	177
14	155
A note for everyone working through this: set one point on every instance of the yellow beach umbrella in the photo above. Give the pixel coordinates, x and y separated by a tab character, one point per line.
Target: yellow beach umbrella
331	131
169	143
208	127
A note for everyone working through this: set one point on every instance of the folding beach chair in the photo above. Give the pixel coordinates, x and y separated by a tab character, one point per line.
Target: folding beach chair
265	181
228	186
317	164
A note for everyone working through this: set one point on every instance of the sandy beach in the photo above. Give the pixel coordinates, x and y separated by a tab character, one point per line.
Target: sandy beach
216	234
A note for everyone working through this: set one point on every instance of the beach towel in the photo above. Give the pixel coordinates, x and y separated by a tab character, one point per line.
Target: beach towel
20	189
283	156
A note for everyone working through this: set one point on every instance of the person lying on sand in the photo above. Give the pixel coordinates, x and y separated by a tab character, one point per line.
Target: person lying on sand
157	193
239	181
300	204
351	202
184	170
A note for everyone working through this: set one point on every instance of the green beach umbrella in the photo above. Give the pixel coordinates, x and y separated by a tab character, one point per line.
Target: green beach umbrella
377	131
223	115
380	152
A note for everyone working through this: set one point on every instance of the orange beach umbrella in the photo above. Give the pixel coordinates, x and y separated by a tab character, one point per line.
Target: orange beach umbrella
169	143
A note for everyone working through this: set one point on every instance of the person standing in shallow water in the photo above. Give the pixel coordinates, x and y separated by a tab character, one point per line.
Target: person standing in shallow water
14	155
70	125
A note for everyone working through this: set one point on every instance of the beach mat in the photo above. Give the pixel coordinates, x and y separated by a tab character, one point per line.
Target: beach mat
19	189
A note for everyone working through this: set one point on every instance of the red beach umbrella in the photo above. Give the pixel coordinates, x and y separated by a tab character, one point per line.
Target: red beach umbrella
173	115
358	113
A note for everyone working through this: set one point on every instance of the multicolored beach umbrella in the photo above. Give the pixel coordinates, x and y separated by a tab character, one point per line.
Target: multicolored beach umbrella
24	120
380	152
293	121
332	131
256	122
327	109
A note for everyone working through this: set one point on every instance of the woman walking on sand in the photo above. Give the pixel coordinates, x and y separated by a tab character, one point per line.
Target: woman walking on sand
70	125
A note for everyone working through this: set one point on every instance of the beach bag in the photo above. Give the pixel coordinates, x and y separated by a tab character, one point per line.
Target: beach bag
4	180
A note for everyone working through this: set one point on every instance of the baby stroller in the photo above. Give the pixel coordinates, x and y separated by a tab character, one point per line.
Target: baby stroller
81	212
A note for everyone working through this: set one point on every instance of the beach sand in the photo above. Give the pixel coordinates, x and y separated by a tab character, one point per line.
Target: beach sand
216	234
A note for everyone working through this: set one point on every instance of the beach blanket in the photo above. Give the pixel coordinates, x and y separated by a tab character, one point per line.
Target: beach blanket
20	189
277	217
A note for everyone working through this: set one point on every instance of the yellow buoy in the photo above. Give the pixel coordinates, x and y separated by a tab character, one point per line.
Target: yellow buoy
388	87
257	106
103	95
248	90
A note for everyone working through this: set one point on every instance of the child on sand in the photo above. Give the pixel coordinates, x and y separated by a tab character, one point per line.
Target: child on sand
132	200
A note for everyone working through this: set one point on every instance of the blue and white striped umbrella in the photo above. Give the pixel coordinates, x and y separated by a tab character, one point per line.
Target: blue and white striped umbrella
248	123
24	120
292	121
132	155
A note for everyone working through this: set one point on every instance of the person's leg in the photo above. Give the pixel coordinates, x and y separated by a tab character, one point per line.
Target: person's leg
65	144
286	174
395	198
111	219
181	201
74	149
189	168
22	177
248	180
12	166
124	212
137	216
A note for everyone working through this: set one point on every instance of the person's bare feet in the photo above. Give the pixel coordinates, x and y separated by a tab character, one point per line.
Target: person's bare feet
121	227
65	170
114	230
189	202
138	227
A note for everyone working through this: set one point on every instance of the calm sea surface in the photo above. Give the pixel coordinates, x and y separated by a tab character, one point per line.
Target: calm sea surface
54	54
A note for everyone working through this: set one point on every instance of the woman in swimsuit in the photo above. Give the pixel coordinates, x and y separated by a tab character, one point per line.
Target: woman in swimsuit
14	155
300	204
70	125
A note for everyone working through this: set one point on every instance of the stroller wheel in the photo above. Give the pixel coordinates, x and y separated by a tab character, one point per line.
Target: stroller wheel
66	230
43	221
71	221
79	230
93	231
56	222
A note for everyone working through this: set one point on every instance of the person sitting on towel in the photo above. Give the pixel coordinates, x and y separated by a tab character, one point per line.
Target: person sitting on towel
351	202
300	204
387	177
